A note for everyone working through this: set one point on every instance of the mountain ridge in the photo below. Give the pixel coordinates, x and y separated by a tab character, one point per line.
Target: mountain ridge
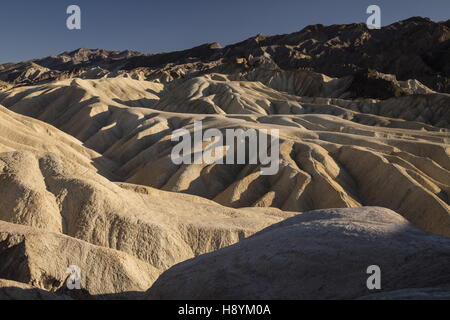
415	48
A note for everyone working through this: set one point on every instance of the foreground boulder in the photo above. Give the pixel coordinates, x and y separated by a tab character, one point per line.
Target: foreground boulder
316	255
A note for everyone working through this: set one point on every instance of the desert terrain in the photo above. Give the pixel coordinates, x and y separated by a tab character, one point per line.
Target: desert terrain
87	179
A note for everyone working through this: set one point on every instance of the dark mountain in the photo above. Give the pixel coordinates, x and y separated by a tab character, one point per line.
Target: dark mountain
416	48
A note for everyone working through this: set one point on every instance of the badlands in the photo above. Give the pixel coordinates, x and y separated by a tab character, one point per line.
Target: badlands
87	179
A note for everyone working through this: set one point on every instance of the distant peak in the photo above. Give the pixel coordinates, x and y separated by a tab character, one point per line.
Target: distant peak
418	19
215	45
79	50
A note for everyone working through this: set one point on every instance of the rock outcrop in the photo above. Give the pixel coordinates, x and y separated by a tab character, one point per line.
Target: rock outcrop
41	259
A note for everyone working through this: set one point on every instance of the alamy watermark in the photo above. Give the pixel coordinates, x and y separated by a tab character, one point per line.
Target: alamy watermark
74	280
374	281
73	22
374	21
236	146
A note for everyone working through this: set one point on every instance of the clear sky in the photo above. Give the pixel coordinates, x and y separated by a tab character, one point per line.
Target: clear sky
37	28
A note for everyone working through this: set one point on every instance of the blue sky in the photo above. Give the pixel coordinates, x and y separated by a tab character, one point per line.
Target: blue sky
33	29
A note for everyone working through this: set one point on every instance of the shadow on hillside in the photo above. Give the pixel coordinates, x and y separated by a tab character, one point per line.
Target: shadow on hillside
139	103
